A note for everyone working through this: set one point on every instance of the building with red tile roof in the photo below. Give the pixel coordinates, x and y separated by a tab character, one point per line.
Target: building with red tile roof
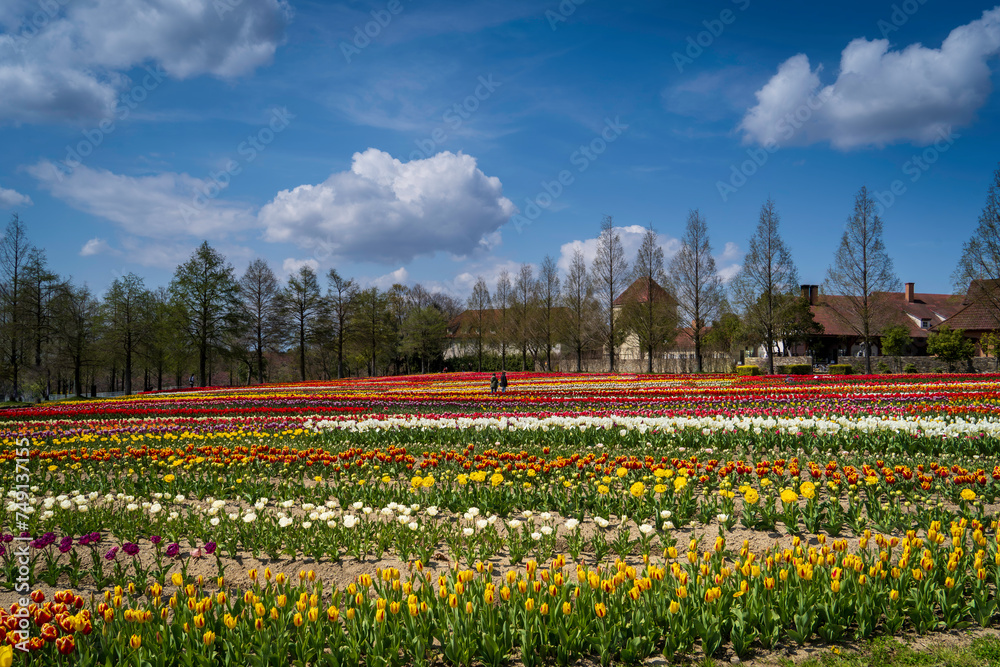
919	312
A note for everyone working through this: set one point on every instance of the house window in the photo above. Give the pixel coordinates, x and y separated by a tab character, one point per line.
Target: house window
925	323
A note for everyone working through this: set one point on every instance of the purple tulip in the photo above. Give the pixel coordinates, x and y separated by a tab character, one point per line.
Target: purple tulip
173	549
6	537
130	548
65	544
112	553
155	539
210	548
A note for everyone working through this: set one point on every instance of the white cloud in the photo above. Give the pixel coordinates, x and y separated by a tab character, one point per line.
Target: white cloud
489	268
727	263
400	276
880	96
97	246
160	206
631	237
168	254
292	266
12	198
390	211
72	63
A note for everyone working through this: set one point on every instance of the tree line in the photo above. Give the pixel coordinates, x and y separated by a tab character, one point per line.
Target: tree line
57	336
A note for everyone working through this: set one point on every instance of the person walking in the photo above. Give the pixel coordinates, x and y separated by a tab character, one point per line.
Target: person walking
494	384
503	382
191	381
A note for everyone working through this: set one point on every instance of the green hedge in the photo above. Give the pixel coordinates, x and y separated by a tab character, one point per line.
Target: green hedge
795	369
841	369
747	370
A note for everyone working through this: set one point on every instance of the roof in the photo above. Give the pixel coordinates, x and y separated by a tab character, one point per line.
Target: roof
934	308
642	291
685	338
978	312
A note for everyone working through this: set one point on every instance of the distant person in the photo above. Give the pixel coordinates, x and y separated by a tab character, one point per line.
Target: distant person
503	382
191	381
494	384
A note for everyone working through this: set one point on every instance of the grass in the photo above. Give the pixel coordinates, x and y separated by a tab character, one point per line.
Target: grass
888	652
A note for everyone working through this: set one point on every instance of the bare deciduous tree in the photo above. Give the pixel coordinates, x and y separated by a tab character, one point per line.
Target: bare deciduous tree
610	273
767	275
652	316
340	299
126	320
980	259
502	297
259	297
14	253
862	274
695	283
548	295
479	301
525	295
581	307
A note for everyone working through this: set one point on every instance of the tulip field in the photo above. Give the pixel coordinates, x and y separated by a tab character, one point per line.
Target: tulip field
423	520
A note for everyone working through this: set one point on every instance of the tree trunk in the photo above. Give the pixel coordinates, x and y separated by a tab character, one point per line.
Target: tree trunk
128	368
697	349
302	350
202	363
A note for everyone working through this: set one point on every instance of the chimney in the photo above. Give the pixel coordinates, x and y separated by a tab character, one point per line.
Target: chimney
804	291
813	294
909	293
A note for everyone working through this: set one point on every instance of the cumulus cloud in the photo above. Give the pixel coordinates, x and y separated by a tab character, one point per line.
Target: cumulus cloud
97	246
727	263
291	266
12	198
399	276
881	96
487	268
631	237
159	206
390	211
70	63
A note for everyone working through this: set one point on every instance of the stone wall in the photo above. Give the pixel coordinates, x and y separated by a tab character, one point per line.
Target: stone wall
923	364
664	366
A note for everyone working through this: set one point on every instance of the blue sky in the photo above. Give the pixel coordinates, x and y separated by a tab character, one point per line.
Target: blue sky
433	142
